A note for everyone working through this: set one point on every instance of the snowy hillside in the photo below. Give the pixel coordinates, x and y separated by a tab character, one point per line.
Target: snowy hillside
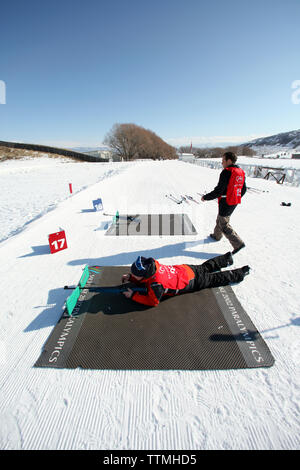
285	141
111	409
49	181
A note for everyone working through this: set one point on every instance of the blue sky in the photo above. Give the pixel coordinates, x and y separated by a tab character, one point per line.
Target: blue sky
200	71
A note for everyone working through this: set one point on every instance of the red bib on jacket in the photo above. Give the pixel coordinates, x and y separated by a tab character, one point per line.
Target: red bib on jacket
235	186
172	277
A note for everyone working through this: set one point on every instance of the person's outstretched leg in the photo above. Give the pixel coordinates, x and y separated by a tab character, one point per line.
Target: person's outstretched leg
222	278
215	264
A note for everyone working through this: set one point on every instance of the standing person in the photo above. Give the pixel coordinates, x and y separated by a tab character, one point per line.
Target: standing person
164	281
229	191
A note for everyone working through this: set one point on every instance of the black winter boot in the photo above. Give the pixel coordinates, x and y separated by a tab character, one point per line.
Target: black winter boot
236	250
246	270
217	263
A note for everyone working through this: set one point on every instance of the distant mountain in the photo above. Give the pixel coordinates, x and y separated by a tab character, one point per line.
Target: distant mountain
286	141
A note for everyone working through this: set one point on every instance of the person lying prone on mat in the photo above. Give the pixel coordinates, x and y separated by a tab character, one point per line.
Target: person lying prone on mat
164	281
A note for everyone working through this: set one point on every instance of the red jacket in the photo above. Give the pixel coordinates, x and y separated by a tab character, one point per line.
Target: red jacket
225	208
167	281
235	185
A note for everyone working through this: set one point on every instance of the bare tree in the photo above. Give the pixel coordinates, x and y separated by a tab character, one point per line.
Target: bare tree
130	142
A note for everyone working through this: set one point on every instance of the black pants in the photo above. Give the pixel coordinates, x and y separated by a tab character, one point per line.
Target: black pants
206	275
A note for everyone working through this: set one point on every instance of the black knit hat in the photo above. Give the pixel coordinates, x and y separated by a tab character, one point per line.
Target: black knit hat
144	267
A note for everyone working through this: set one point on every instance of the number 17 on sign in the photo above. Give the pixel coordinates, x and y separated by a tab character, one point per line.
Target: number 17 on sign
57	241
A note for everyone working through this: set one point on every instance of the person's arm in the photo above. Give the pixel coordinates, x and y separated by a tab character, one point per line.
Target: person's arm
244	188
152	298
221	187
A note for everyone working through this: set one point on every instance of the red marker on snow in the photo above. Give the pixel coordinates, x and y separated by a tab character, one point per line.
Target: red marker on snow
57	241
70	186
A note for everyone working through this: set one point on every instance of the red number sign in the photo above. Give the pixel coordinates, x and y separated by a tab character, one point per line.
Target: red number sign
57	241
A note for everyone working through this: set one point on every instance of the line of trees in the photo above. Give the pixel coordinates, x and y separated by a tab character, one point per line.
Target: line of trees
131	142
216	152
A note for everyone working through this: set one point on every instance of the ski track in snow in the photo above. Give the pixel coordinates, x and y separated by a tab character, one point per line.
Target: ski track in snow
85	409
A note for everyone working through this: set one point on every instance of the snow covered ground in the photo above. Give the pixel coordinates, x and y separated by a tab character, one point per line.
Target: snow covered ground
184	410
38	185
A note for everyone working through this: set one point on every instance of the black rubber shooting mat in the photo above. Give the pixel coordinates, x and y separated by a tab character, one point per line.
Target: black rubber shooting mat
197	331
152	224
